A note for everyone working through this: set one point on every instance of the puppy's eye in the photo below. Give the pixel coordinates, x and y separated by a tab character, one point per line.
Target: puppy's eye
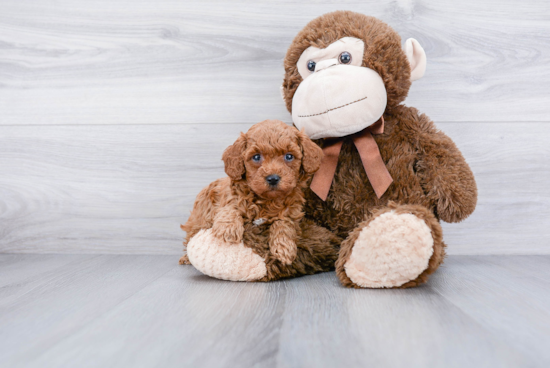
289	157
344	58
311	65
257	157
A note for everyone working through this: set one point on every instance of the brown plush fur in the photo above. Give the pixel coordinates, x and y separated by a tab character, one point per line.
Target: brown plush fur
230	205
431	178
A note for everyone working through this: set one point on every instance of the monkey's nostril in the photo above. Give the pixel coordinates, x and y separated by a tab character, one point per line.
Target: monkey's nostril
273	179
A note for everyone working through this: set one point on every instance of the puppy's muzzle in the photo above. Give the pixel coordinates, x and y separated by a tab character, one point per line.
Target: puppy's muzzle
273	180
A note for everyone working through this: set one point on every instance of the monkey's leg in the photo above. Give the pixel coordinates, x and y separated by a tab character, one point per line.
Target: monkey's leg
251	260
399	246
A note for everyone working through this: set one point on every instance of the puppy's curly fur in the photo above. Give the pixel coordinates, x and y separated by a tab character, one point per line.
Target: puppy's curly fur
270	148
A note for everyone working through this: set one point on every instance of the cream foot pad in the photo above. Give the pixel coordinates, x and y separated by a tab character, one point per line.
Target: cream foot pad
391	250
222	260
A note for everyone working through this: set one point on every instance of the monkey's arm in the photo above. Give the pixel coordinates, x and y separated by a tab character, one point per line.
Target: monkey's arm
445	176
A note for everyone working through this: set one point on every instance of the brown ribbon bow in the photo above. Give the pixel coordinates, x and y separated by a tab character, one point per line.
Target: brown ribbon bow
375	168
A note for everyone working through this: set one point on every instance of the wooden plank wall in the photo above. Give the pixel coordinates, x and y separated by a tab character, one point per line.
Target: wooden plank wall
114	113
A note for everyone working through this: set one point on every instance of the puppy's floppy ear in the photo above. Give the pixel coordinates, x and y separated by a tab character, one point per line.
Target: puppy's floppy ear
313	154
233	158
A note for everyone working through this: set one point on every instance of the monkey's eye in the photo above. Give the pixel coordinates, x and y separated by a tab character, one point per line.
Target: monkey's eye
289	157
311	65
257	157
345	58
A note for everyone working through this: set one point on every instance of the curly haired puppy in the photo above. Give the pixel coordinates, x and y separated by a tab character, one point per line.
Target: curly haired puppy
268	169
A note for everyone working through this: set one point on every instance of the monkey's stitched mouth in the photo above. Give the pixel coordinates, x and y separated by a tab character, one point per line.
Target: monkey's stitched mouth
334	108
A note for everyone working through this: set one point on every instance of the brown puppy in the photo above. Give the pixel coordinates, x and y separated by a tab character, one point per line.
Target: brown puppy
268	169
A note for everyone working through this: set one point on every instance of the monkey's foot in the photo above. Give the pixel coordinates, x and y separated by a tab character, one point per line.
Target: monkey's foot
389	251
222	260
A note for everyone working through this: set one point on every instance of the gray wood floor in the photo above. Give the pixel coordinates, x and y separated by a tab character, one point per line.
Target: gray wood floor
147	311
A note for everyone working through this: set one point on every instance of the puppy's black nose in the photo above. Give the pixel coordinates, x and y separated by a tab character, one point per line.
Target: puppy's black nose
273	180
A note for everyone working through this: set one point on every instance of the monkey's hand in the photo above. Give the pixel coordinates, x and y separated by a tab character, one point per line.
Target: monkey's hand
282	241
228	225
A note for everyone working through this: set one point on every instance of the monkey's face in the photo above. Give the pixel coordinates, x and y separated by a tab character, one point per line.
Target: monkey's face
343	70
338	96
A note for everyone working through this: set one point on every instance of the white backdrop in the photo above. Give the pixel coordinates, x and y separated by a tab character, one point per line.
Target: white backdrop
114	114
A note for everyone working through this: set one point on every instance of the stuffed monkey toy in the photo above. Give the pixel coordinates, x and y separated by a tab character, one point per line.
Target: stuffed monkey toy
388	175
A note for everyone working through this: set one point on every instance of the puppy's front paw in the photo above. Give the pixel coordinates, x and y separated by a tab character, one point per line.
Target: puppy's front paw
231	232
284	250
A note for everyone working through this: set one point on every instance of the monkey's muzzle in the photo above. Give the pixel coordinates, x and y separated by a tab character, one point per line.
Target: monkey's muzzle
338	100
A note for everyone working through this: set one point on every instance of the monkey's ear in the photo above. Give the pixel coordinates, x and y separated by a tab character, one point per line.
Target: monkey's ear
312	153
417	58
233	158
